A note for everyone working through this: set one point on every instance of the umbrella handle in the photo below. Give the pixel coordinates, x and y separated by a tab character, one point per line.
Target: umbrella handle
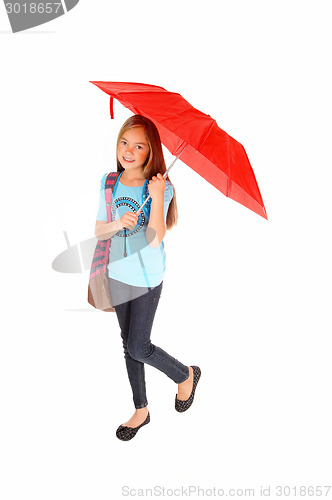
125	247
164	176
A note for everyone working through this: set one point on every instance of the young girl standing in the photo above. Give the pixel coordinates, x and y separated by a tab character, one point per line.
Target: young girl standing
137	262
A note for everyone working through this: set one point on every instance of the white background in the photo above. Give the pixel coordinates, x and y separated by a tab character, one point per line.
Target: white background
246	299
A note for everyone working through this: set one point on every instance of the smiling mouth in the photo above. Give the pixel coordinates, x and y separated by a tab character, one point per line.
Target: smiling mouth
127	159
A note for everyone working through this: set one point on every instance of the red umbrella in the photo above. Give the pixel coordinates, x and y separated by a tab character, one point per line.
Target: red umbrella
188	132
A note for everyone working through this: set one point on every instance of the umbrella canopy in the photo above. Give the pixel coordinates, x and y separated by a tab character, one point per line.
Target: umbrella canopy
204	147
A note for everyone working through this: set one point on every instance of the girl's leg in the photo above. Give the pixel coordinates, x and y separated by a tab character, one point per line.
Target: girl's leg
139	346
135	369
121	294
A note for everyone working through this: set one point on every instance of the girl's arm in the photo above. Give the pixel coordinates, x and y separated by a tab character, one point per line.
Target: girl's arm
156	229
105	230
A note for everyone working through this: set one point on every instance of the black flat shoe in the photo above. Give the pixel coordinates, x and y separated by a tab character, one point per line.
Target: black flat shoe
184	405
126	433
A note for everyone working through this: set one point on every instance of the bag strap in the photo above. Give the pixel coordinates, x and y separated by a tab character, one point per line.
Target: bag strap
109	186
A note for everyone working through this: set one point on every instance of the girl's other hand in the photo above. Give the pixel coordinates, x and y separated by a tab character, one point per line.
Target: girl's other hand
156	187
129	219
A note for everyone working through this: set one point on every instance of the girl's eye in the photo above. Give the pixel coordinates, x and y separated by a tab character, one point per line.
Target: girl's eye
139	147
123	142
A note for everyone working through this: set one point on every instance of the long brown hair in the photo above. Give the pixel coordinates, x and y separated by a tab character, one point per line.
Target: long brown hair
155	161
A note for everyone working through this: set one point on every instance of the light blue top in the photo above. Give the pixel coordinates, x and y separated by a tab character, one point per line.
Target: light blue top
143	266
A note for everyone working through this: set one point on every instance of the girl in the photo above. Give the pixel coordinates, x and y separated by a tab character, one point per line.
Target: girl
137	262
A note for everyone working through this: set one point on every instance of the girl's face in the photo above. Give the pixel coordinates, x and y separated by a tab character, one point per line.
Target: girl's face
133	149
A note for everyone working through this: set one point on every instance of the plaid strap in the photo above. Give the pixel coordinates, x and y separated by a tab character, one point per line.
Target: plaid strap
101	254
109	186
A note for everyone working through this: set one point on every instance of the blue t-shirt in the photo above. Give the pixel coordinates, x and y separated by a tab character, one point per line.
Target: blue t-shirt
143	266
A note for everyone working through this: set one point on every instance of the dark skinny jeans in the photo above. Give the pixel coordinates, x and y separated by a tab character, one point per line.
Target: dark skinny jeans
135	308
